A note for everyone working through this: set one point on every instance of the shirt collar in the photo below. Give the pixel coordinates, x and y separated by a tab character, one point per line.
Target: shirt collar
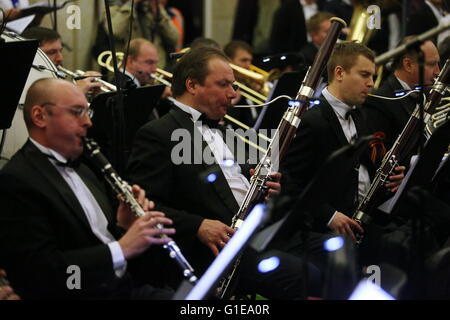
132	77
48	151
193	112
338	106
404	84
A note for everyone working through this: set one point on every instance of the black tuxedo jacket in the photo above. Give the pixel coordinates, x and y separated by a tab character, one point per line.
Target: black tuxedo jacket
288	32
389	116
308	52
180	189
318	136
43	231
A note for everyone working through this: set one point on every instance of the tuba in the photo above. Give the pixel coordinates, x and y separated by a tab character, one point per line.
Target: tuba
359	25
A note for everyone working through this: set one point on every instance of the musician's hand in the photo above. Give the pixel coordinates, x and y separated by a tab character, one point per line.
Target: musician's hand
214	234
6	292
397	179
125	217
341	224
143	233
273	184
89	85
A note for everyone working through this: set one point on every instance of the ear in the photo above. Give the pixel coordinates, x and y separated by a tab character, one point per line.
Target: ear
38	116
338	73
407	64
190	85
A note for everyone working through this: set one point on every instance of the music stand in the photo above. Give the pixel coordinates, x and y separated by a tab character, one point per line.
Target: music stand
423	170
138	105
17	57
224	260
288	84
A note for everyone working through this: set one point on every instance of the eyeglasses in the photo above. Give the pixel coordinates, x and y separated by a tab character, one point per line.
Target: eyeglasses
77	112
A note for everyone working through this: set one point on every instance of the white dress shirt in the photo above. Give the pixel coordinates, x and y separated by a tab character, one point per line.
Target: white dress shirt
237	182
95	216
349	129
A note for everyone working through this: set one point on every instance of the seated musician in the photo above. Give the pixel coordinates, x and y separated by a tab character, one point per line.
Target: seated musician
390	116
241	55
51	44
201	211
59	237
326	128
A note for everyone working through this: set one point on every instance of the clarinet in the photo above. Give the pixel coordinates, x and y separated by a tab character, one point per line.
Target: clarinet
123	189
281	141
392	158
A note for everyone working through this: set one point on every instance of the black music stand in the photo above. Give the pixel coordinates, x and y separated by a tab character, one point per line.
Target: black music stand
288	84
43	8
423	171
138	105
17	57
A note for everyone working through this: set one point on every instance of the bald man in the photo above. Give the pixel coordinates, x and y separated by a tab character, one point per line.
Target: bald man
58	234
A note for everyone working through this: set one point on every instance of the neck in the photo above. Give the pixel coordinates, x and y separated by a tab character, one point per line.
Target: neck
404	76
334	90
189	101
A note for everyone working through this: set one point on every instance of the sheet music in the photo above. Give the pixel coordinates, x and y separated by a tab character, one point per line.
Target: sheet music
47	4
20	24
387	206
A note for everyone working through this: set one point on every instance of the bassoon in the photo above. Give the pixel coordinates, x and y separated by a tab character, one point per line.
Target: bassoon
402	144
282	138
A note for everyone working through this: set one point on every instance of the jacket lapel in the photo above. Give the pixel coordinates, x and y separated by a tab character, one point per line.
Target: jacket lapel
98	194
408	104
331	117
59	187
220	184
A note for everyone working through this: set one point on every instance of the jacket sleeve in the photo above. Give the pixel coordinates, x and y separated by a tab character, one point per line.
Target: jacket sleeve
150	167
299	168
31	229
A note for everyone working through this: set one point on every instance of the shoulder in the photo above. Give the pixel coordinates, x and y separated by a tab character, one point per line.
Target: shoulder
17	171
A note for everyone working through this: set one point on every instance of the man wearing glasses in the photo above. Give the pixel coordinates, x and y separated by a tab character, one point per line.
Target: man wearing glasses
390	116
59	237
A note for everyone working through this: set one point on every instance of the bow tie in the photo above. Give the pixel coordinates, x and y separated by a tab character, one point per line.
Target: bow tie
210	122
354	112
74	164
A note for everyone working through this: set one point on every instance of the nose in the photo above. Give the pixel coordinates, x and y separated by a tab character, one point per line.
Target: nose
437	70
59	59
232	92
86	121
370	81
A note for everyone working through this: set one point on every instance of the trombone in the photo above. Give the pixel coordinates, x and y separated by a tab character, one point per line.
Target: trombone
106	86
162	76
105	60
